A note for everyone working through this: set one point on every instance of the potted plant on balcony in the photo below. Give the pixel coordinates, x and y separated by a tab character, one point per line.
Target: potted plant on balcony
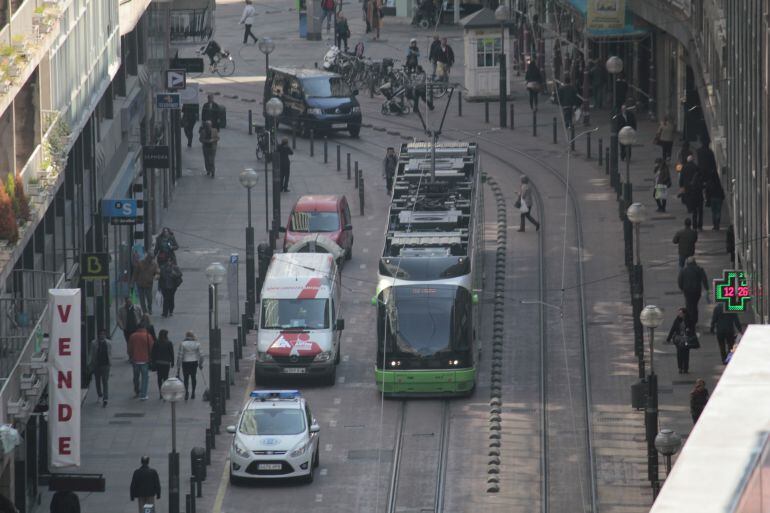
18	43
15	188
38	15
9	229
33	186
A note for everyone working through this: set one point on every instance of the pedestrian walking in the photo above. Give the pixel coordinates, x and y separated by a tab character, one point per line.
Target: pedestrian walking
685	240
691	278
681	335
285	151
189	360
165	246
662	183
209	137
627	118
524	204
210	111
129	317
100	352
418	89
445	60
375	17
63	501
699	396
725	324
684	153
342	30
327	13
665	137
435	46
534	83
568	100
389	168
248	18
139	350
144	276
412	56
365	9
597	74
730	243
189	119
691	182
707	162
145	484
162	358
715	196
621	90
170	279
146	323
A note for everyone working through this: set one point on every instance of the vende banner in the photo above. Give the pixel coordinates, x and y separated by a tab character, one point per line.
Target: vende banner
606	14
64	381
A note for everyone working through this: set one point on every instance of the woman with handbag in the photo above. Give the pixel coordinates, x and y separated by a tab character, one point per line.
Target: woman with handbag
524	204
684	338
162	358
189	360
662	183
534	81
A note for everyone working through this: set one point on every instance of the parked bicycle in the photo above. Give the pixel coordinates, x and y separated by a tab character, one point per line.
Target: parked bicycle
265	142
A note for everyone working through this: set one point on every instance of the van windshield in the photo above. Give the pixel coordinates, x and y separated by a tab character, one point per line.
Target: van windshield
295	313
312	222
326	87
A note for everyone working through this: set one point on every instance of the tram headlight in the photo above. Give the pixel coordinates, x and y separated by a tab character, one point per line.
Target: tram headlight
454	363
395	363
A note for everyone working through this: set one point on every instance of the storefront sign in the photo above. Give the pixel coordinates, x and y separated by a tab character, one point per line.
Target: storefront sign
733	290
94	266
64	377
606	14
120	211
156	157
167	101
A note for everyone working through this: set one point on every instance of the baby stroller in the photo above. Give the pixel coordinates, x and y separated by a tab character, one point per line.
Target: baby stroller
395	102
425	14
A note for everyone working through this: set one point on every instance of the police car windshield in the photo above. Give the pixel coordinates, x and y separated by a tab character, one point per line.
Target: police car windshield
272	421
315	222
295	313
326	87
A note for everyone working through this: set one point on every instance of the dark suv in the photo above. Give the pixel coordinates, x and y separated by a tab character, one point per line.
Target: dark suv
314	100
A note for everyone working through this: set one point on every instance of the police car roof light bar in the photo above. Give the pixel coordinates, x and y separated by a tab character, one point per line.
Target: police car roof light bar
264	395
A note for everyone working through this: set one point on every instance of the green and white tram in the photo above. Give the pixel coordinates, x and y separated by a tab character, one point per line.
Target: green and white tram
430	273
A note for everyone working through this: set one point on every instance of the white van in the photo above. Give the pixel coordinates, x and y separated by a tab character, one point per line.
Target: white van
299	322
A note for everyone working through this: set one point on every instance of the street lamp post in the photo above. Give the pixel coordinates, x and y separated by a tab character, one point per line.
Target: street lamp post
248	179
266	46
172	390
651	317
503	14
668	442
627	137
614	67
274	108
215	274
637	214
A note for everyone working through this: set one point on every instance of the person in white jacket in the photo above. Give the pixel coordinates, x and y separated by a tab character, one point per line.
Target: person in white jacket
189	360
247	19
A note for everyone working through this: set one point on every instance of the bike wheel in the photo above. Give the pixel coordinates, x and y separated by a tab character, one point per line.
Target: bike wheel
260	153
439	91
226	67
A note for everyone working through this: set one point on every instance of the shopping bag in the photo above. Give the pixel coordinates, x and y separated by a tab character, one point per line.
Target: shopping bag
158	298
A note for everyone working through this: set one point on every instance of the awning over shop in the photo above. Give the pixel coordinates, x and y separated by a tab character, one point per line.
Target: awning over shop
599	19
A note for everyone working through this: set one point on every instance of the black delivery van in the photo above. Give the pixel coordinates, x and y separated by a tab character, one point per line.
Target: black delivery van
314	99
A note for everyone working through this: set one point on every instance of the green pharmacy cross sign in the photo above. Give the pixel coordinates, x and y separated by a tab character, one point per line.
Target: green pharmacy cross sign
733	290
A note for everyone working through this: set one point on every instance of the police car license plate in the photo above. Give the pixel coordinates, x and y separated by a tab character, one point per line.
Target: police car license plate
269	466
294	370
340	125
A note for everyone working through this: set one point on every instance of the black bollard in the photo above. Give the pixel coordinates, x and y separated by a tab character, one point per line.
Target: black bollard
326	150
460	104
237	358
361	194
208	446
511	116
187	504
339	163
293	136
214	428
601	153
251	123
486	111
554	130
192	494
588	145
227	382
348	166
199	488
224	392
312	143
355	175
572	136
534	123
606	161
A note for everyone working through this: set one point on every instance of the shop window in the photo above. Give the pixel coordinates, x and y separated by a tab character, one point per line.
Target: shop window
488	51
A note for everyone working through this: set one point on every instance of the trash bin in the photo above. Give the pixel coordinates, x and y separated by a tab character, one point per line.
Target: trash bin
198	463
264	254
639	394
303	25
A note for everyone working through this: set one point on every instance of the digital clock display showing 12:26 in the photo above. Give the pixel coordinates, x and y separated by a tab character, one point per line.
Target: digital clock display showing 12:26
733	290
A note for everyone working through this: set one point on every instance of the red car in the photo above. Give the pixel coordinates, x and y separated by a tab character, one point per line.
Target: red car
327	215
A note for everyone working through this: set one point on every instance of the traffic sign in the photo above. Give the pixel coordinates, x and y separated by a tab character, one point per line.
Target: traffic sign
176	79
168	100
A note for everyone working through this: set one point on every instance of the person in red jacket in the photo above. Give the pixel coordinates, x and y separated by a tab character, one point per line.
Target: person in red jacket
139	350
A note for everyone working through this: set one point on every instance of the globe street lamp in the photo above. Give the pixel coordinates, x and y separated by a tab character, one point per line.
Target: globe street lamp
266	46
248	179
172	390
627	137
651	317
636	215
215	274
614	67
503	15
274	108
668	442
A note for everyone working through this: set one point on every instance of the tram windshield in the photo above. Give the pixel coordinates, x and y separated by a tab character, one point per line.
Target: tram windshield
424	319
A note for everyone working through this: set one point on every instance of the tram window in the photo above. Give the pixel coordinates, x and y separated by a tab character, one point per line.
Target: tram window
461	325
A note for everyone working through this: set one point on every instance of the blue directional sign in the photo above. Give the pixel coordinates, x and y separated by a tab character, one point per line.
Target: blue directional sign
120	211
168	101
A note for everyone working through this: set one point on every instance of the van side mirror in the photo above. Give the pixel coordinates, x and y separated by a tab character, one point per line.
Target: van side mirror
282	229
230	429
340	325
348	227
315	428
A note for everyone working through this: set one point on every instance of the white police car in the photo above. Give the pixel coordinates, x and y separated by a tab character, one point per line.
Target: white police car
276	437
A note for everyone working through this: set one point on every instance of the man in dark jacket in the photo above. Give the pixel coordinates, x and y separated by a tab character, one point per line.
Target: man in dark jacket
145	484
435	46
169	280
568	100
626	118
389	170
284	150
446	59
691	278
685	239
725	323
692	181
706	160
210	112
64	502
